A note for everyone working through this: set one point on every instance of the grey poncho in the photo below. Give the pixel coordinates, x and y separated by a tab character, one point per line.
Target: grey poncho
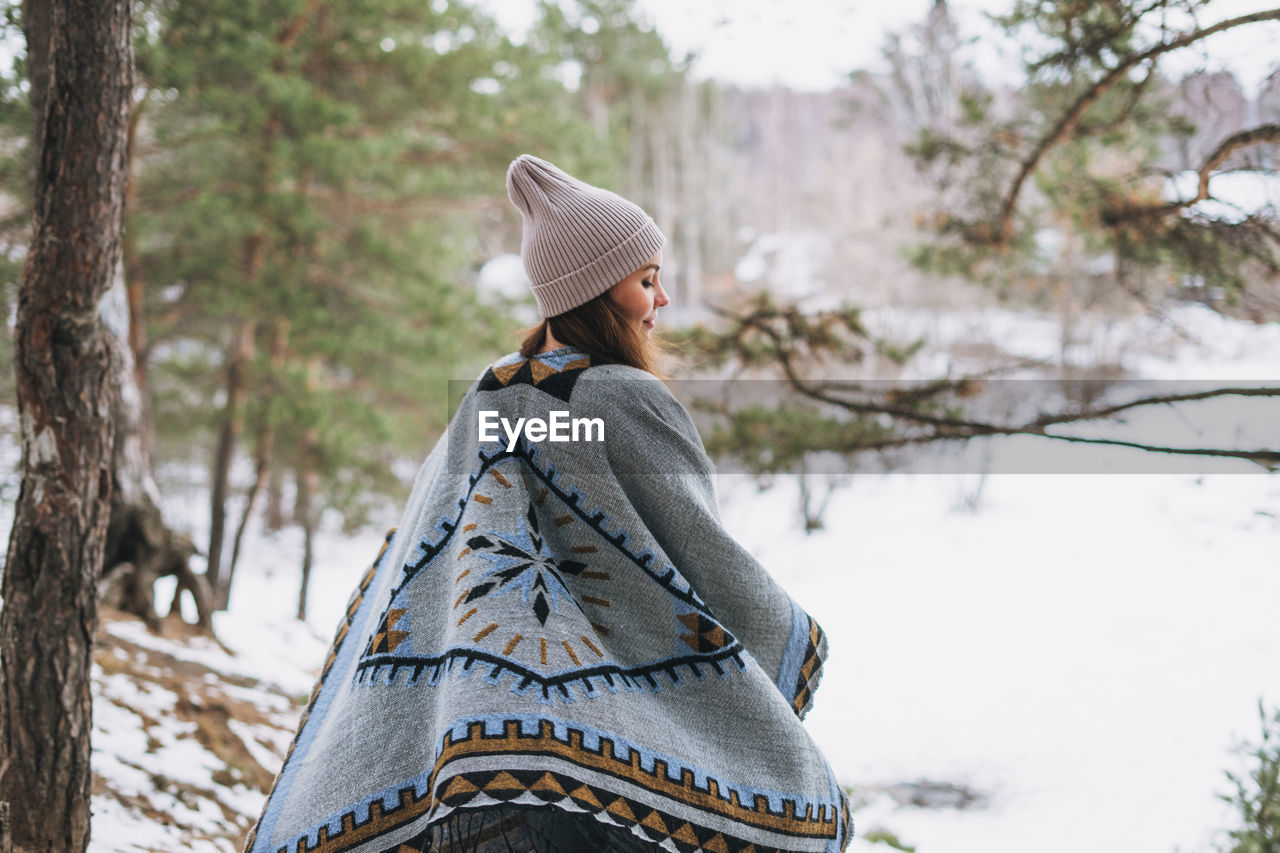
564	624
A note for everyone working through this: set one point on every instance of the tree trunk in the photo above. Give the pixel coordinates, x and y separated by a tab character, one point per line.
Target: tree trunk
637	186
665	204
63	371
38	27
140	547
690	131
308	486
135	289
273	514
262	461
232	425
306	505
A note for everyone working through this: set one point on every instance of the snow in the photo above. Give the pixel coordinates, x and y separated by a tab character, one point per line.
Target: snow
788	263
1233	196
1083	649
1188	343
131	750
253	737
504	275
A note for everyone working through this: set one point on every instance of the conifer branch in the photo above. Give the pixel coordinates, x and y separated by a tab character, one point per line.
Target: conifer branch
1244	139
1003	233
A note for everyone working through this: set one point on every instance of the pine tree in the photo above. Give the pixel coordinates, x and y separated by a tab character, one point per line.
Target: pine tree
312	194
1255	797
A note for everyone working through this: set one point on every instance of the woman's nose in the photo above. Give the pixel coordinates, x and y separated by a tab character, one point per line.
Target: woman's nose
660	298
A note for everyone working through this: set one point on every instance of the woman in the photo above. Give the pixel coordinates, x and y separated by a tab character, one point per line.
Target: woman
560	647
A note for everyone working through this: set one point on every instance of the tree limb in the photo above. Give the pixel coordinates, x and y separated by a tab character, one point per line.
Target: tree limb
950	428
288	34
1069	119
1268	459
1095	44
1243	139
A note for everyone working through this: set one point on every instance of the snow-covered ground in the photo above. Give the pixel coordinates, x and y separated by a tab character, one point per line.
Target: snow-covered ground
1081	651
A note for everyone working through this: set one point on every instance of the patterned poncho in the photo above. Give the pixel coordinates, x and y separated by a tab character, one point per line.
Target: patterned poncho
564	624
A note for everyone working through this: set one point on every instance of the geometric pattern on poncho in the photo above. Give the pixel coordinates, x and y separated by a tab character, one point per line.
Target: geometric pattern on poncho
530	561
811	670
353	606
552	373
601	754
540	786
478	788
531	613
545	786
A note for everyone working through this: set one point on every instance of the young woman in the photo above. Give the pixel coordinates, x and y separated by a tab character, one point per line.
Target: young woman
560	647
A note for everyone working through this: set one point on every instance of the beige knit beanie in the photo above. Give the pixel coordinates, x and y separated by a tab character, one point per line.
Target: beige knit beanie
578	240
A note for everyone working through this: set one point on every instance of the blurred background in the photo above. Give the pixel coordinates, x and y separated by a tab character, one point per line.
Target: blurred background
1070	206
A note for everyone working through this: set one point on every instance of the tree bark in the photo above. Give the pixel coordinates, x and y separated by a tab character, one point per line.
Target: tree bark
63	366
37	26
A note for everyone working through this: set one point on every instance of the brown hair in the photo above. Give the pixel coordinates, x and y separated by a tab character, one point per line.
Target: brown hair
600	329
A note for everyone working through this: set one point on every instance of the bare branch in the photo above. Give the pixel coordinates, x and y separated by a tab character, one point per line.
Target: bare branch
1268	459
897	403
1243	139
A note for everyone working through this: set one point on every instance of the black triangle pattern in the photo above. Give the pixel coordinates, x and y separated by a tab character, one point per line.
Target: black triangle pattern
463	790
558	384
810	670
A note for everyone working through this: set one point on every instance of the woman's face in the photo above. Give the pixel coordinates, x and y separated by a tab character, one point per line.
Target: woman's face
640	294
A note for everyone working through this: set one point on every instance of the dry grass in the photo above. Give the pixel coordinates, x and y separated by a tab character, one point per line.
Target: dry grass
205	702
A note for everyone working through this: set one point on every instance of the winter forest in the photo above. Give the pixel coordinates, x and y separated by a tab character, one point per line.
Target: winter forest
982	335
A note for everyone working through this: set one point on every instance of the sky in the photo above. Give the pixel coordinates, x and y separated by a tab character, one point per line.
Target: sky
813	44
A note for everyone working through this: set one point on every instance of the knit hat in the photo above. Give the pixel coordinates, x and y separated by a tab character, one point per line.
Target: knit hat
578	240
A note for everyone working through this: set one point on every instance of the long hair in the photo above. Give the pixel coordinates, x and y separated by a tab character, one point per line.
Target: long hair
600	329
